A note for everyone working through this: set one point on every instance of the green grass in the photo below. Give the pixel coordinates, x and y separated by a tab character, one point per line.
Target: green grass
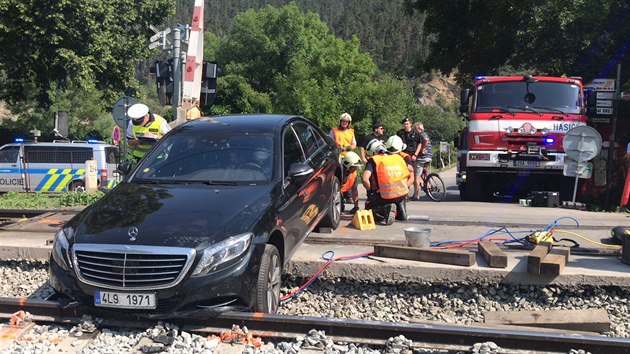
15	200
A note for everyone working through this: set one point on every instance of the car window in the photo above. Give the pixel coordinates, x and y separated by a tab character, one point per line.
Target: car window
310	139
238	158
112	155
9	154
291	150
54	154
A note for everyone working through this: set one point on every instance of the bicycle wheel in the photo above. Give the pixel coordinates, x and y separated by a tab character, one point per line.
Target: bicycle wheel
435	187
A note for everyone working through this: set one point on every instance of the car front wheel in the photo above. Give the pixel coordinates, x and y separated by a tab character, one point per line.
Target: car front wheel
269	281
333	217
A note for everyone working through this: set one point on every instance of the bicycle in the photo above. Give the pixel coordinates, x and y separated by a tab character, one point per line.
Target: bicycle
432	184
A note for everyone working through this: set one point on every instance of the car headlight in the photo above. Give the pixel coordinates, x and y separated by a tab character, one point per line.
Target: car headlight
60	249
223	252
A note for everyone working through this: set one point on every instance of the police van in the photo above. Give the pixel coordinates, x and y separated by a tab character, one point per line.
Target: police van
55	167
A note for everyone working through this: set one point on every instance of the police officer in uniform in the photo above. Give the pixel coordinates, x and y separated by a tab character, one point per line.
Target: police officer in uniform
144	130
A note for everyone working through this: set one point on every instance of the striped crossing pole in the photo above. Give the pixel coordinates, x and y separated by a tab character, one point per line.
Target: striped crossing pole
194	60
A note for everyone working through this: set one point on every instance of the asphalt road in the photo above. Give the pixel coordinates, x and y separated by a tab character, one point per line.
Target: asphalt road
453	219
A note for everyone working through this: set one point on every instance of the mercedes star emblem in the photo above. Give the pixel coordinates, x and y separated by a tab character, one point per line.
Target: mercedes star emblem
133	233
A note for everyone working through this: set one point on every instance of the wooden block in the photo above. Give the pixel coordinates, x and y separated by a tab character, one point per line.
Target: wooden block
563	250
535	258
493	255
455	257
553	264
593	320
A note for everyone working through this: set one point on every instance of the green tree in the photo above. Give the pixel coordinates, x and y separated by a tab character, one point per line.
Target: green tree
556	37
44	43
290	58
82	102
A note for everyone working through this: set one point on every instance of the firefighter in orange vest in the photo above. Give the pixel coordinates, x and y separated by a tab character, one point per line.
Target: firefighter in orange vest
349	188
344	135
395	145
386	178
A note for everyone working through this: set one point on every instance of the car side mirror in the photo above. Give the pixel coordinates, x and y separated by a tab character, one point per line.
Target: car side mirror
124	168
300	171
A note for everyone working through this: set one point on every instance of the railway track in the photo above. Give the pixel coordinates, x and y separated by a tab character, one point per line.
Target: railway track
33	213
279	327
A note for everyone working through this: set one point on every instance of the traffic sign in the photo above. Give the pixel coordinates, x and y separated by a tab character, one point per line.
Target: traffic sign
602	84
116	135
604	110
604	95
624	96
578	169
119	111
582	143
604	103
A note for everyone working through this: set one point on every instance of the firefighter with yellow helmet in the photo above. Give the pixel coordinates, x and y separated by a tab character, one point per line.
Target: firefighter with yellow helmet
344	135
349	187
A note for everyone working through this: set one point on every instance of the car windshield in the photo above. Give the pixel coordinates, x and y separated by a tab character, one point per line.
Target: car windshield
521	96
235	159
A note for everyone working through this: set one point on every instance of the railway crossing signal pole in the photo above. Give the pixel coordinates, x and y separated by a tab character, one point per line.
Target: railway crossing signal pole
613	131
182	82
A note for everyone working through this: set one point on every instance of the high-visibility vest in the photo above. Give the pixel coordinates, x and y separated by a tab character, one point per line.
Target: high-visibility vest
144	145
344	137
352	177
391	175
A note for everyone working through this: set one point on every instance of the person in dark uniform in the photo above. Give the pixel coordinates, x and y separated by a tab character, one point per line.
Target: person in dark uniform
413	140
377	133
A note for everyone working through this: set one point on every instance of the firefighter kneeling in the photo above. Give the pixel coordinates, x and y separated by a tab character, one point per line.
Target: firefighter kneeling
386	179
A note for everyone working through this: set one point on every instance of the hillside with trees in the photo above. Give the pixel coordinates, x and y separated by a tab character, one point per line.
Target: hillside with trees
371	58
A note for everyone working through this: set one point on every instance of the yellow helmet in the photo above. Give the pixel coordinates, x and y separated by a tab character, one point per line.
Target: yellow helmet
351	159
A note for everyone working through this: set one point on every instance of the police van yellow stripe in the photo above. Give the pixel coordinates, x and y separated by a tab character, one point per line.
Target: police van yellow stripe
57	179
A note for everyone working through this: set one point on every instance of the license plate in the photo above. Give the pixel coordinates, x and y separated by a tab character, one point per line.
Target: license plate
124	300
527	163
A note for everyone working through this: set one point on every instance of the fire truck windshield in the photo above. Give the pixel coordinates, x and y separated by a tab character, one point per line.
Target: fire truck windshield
538	97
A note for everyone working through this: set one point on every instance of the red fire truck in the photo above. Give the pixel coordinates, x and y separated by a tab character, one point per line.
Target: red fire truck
512	144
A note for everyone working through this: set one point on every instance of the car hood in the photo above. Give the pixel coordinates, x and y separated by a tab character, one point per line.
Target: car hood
174	215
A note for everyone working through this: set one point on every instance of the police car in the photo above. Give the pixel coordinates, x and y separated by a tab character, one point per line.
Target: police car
55	167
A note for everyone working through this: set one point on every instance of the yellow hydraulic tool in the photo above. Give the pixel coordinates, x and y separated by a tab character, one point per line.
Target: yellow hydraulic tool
541	236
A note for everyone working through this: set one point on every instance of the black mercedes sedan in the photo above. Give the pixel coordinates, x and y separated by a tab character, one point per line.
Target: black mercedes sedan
205	222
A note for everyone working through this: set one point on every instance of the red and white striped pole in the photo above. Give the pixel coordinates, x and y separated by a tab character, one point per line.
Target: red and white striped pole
191	87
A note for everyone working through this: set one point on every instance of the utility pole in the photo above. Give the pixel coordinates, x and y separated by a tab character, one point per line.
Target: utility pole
177	69
611	139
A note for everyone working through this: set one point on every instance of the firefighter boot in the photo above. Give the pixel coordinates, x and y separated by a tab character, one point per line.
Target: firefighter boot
401	210
390	213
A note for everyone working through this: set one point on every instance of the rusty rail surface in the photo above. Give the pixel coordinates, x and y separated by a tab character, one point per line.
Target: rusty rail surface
358	331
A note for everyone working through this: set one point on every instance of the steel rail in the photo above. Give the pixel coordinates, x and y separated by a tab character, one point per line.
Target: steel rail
268	325
413	219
